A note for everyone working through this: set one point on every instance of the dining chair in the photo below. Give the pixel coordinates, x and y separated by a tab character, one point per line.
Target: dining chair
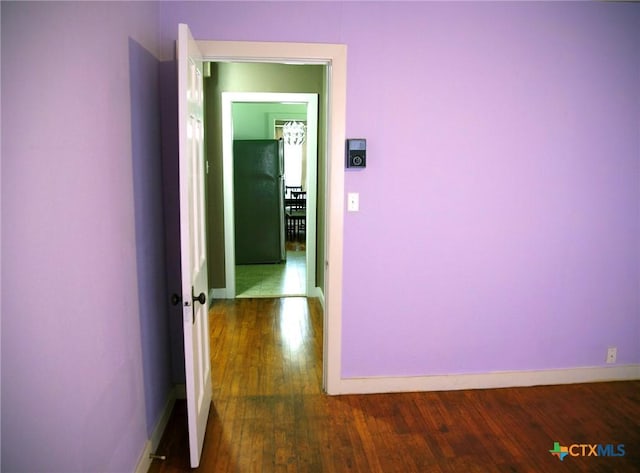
296	214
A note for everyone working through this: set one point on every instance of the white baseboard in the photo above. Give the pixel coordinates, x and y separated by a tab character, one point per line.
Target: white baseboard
180	391
502	379
217	293
151	445
144	463
317	293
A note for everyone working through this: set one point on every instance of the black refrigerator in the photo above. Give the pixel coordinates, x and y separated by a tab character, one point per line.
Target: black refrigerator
258	196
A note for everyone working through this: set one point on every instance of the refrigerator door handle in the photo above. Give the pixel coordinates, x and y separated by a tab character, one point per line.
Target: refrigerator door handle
283	250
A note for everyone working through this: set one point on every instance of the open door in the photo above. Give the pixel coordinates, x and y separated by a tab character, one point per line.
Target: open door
192	240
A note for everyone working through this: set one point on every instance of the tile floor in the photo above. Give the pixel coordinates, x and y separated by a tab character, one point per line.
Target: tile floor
273	280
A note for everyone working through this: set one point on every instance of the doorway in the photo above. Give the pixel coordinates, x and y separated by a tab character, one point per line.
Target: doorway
286	125
333	57
295	277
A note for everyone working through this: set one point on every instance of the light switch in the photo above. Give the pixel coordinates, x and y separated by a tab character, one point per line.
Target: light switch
353	202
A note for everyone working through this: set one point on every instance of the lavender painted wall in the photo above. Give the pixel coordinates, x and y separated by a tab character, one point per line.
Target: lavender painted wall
513	129
80	391
148	188
500	210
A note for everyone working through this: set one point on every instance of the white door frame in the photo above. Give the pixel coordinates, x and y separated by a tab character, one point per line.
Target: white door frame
334	56
311	101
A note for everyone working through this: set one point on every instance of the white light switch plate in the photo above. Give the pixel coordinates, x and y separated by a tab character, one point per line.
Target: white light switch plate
353	202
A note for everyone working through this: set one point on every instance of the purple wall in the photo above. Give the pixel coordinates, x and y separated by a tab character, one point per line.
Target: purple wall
500	211
148	188
513	132
84	378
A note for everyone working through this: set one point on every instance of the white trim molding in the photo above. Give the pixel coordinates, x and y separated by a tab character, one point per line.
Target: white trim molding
144	463
151	445
311	117
492	380
317	293
217	293
334	56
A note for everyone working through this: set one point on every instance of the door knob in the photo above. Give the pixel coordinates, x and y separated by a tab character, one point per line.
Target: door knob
201	298
175	299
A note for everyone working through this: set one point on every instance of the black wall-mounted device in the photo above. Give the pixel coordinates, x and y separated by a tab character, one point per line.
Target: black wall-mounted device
356	154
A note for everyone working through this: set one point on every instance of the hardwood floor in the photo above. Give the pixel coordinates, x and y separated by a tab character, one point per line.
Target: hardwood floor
269	413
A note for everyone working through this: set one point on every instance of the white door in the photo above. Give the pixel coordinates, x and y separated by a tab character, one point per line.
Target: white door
192	240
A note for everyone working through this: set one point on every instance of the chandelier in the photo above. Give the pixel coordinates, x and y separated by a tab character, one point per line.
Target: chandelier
294	133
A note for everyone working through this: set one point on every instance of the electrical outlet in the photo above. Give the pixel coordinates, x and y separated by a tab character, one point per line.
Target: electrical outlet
612	353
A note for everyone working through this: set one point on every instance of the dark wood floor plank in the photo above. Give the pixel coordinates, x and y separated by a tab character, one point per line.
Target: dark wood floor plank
269	413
